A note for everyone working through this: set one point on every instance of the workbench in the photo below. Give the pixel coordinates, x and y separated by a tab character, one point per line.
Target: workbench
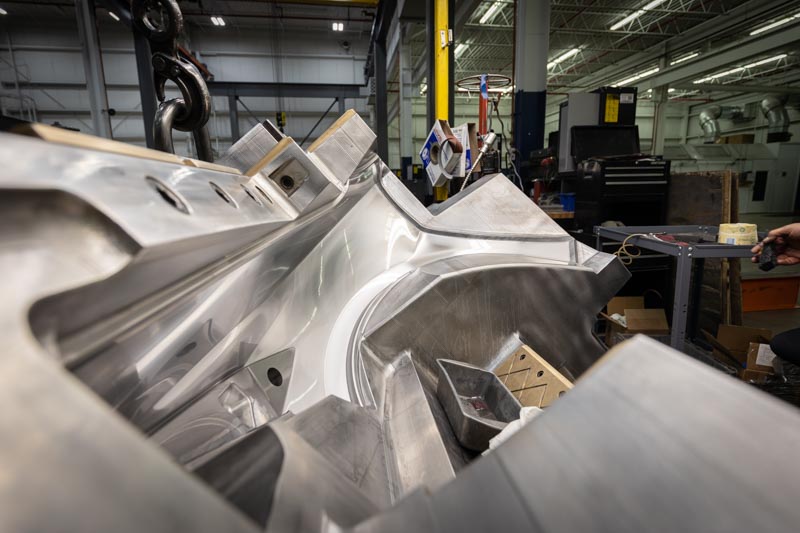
685	253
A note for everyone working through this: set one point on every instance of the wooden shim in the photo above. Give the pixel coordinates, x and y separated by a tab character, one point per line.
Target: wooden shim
531	379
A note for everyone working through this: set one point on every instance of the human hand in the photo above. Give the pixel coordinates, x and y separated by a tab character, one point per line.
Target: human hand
787	241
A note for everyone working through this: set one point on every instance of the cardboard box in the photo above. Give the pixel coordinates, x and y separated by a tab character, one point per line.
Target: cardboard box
759	357
747	349
753	376
736	340
639	320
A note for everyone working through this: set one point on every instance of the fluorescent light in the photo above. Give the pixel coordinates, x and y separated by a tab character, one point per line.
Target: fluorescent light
720	75
563	57
765	61
491	12
739	69
217	21
671	90
685	58
636	14
638	76
113	15
220	21
460	49
338	26
775	24
423	88
3	11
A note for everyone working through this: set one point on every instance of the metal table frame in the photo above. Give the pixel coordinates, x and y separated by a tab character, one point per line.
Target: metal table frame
685	255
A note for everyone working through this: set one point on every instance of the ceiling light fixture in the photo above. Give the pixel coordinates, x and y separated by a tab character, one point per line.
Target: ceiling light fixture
685	58
217	21
638	76
338	26
460	49
636	14
739	69
563	57
775	24
765	61
719	75
491	12
3	11
113	15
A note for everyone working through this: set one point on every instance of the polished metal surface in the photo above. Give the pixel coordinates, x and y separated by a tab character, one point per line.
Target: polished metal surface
648	440
476	403
191	349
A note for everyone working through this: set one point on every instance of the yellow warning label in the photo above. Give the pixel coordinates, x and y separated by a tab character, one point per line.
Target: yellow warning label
612	108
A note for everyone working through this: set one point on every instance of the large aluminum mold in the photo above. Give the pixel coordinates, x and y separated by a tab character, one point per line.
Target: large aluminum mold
168	325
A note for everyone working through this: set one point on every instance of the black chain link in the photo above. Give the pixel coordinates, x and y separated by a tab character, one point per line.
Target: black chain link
161	22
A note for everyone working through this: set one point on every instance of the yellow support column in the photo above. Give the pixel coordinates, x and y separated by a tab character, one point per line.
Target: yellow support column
442	75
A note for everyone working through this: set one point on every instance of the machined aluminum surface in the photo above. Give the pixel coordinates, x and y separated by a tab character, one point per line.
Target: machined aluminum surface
200	350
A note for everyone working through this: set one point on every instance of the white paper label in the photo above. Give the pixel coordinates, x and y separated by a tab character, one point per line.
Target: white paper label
626	98
765	355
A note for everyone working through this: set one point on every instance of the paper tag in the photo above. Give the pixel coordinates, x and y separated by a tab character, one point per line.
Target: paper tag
765	355
626	98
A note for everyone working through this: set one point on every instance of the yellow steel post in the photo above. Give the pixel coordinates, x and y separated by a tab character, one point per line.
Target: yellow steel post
442	75
442	40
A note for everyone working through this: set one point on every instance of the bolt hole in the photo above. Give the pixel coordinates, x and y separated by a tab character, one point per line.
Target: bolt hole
251	195
540	373
275	377
560	394
263	194
287	182
186	349
222	194
168	195
521	357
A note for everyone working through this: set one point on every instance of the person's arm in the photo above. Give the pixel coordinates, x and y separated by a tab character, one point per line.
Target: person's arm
787	240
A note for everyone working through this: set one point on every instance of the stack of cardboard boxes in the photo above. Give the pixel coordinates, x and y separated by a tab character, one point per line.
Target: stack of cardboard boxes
746	349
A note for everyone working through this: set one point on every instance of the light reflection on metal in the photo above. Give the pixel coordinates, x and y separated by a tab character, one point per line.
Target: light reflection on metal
284	351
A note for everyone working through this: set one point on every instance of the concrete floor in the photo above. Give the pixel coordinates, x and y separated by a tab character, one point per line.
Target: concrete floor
781	320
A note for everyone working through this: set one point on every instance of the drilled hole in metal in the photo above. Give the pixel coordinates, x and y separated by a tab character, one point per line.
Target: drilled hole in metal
540	373
222	194
263	194
275	377
168	195
287	182
521	357
251	195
